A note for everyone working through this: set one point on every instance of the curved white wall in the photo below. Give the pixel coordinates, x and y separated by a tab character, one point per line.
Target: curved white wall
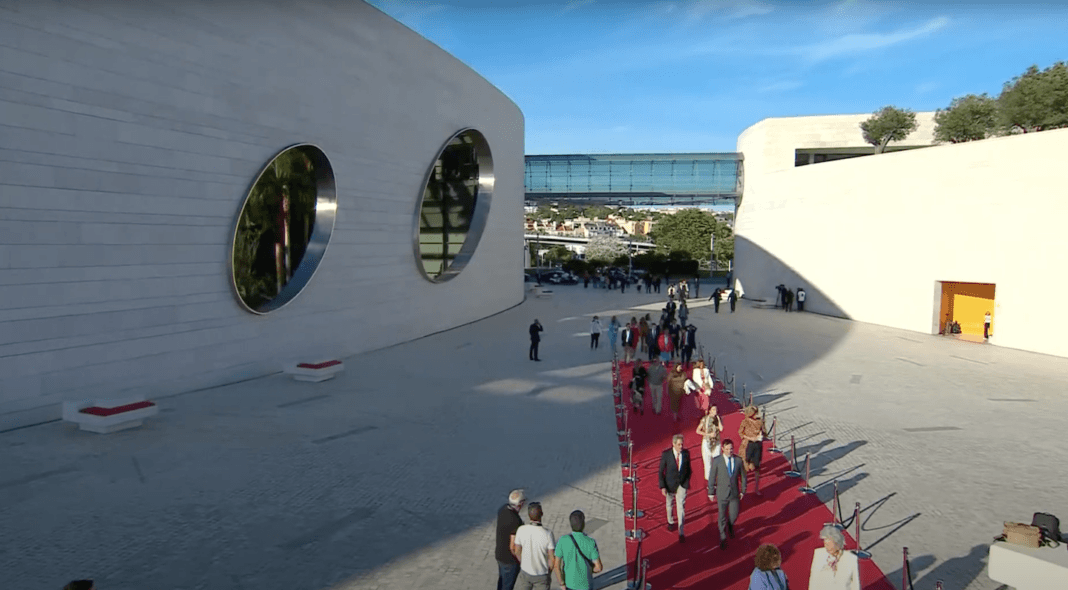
130	135
869	237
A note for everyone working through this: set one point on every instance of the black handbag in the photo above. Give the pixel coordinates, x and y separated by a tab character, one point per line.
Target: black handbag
1050	526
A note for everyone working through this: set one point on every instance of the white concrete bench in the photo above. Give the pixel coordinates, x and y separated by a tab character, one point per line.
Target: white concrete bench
544	293
1023	568
105	416
315	372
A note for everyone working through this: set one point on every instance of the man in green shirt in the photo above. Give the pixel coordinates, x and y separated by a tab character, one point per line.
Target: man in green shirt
577	558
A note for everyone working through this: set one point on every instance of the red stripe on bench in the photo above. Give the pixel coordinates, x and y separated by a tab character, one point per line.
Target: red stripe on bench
319	365
98	411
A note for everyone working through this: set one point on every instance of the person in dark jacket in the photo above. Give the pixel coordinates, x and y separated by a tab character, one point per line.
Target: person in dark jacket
733	298
715	298
535	339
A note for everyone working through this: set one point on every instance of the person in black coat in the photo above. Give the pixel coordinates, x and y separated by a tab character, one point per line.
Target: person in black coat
674	478
535	339
733	298
688	344
715	298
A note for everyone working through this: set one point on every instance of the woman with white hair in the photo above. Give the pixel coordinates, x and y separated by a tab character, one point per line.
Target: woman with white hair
834	568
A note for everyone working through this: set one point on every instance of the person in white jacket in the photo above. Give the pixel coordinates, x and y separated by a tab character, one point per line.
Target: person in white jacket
701	382
833	568
595	333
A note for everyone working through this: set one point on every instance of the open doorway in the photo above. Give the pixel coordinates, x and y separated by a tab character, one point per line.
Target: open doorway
966	304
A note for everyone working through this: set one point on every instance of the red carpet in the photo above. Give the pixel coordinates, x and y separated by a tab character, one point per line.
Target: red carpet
783	516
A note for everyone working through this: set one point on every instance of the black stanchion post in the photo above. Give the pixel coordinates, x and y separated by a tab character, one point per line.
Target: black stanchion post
793	472
861	554
807	488
774	444
835	510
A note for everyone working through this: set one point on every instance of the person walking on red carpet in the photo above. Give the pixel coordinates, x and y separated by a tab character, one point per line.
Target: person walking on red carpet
676	389
658	375
630	337
637	389
675	475
701	382
726	487
710	429
751	431
833	568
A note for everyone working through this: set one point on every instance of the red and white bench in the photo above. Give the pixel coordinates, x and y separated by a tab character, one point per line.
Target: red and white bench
105	416
315	372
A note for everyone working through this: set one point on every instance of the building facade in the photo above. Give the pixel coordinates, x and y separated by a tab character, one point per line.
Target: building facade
131	137
910	238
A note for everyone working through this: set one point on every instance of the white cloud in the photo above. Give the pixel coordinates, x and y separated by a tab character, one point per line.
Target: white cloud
575	5
854	43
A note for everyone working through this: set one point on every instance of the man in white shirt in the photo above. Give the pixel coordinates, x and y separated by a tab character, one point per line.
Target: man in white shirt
986	325
595	333
534	545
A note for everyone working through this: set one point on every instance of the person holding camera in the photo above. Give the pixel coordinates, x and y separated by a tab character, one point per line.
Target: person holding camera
535	340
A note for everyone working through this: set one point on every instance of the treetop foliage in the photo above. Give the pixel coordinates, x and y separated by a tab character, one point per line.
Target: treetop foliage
1036	100
968	118
888	124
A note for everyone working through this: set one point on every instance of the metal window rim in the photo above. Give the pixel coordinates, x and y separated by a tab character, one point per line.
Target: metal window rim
480	216
322	229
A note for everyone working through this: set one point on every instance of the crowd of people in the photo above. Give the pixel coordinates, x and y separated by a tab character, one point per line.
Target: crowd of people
727	476
528	555
612	280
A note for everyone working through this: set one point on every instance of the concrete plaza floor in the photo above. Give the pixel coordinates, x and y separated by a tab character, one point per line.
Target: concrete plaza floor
390	475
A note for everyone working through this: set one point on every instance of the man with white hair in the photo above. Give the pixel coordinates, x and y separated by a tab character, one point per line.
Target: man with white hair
508	522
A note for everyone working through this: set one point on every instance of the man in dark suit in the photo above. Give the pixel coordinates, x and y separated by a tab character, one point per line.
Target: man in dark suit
675	480
535	339
726	487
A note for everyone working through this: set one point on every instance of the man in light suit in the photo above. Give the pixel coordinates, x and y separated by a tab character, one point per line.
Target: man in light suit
726	487
675	480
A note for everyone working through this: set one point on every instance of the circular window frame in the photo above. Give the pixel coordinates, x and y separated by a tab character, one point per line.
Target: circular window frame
322	229
480	216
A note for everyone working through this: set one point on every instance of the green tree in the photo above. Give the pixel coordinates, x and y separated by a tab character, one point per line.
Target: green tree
605	248
888	124
1036	100
558	253
968	118
688	231
597	212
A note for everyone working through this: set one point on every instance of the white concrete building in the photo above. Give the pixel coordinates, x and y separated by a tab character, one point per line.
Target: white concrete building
131	134
905	239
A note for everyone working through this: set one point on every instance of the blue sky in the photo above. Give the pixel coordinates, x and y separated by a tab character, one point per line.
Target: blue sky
597	76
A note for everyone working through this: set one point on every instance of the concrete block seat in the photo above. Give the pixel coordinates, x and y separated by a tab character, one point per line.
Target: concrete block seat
315	372
105	416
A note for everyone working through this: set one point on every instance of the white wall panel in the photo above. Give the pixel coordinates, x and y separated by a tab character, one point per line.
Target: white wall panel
129	136
869	237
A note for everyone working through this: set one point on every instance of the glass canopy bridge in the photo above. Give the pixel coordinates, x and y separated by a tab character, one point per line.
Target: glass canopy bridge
636	179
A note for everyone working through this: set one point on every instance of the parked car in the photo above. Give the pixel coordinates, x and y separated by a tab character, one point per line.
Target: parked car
561	278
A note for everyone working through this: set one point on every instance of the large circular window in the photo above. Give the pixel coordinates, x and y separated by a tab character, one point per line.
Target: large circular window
283	229
455	206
